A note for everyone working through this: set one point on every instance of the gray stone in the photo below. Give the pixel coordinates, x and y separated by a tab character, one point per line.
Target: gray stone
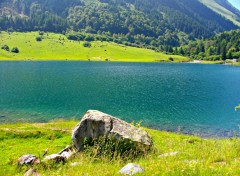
68	148
32	172
95	124
131	169
54	157
66	155
63	155
27	159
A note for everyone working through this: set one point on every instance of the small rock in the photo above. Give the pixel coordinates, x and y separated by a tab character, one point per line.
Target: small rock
168	154
66	149
32	172
27	159
131	169
66	155
75	163
54	157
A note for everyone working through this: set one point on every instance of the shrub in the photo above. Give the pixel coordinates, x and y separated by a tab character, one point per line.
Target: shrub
89	38
38	39
41	33
87	44
15	50
5	47
75	36
109	147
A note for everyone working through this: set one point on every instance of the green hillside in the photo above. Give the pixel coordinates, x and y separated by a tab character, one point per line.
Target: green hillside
145	22
229	13
58	47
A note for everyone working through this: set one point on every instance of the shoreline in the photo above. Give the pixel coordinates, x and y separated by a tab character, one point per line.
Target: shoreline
121	61
218	136
172	152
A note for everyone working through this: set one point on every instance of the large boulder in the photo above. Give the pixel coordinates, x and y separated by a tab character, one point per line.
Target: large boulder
95	124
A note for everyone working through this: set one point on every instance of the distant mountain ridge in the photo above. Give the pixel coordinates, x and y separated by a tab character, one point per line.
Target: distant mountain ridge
224	8
155	22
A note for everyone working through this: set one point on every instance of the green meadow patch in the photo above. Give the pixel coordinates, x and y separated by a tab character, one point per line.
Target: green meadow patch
172	154
49	46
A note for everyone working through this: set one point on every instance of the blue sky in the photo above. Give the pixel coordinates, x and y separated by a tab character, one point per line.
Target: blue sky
236	3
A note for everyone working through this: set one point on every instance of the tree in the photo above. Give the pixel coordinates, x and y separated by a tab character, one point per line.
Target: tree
5	47
181	51
224	53
87	44
38	39
229	55
15	50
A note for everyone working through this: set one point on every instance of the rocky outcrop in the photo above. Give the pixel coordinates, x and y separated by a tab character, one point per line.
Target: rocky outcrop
131	169
95	124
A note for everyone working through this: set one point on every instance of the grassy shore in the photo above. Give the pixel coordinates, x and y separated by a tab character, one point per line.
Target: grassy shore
196	156
58	47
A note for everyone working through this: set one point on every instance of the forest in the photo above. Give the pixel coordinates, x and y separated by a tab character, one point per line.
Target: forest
139	22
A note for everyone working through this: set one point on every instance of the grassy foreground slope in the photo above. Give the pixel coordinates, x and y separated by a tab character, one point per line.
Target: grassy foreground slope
195	156
58	47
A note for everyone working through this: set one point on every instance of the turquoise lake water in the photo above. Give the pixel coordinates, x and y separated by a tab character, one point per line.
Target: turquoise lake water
188	98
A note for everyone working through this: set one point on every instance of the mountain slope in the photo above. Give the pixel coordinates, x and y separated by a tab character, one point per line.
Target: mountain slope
220	47
224	8
146	22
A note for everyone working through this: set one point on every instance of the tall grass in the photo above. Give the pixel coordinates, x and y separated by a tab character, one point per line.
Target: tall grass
195	156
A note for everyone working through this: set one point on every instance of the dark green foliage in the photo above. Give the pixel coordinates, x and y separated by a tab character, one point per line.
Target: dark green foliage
87	44
38	39
221	47
15	50
5	47
142	23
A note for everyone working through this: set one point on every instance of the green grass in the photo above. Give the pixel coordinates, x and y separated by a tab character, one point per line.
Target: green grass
212	4
51	48
196	156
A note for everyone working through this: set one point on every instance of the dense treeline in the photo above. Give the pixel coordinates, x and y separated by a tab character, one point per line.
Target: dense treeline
221	47
160	24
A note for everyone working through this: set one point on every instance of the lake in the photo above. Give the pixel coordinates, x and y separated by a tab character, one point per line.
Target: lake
186	98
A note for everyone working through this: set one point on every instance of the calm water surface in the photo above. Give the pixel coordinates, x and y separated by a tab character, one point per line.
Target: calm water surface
195	99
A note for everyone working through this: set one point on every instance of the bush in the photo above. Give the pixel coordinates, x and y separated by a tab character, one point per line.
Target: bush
75	36
15	50
38	39
41	33
87	44
89	38
5	47
109	147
